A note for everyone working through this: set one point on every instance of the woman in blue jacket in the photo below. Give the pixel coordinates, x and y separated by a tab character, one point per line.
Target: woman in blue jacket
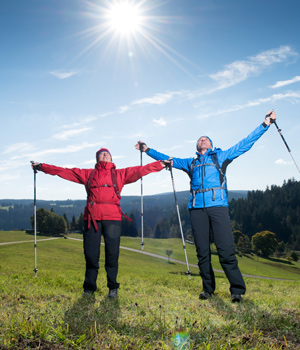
208	205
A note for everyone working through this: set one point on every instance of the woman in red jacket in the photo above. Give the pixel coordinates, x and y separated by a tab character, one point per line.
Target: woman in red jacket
102	213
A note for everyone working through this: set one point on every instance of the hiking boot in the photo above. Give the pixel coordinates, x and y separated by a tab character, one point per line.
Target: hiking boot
113	293
205	295
88	293
236	298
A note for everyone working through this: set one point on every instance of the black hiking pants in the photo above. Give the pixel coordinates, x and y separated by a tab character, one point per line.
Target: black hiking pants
111	231
217	220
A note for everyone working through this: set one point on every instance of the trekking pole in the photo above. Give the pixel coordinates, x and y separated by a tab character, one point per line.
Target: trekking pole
179	219
142	203
283	139
34	218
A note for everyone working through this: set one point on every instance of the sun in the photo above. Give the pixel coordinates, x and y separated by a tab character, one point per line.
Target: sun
125	18
130	26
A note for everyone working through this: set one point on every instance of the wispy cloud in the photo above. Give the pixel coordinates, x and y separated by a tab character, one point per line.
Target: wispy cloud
63	74
239	71
157	99
70	133
85	120
286	82
171	148
160	122
123	109
282	162
17	148
64	150
294	97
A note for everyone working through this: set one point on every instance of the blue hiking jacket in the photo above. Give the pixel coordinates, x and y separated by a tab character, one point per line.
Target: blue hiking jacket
206	187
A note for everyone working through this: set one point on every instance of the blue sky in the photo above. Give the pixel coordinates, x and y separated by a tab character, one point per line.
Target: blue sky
74	80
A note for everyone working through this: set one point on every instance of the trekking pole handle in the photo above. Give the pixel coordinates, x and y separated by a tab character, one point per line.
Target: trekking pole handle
141	144
34	167
169	166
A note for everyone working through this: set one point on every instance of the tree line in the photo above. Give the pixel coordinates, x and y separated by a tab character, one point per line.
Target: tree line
275	210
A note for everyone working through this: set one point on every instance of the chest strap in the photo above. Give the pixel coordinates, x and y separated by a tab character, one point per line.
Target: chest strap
202	190
91	217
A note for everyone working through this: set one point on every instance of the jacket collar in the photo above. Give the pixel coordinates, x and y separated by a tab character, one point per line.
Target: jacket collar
105	165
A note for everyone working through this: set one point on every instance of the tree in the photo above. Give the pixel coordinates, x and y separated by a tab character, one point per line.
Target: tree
265	242
242	242
48	223
162	229
80	223
73	224
236	235
294	256
66	218
169	252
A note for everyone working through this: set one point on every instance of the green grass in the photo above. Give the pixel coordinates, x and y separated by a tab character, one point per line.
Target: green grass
158	305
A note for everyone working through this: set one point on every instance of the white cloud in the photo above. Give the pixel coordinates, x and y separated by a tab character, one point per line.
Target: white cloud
18	148
157	99
85	120
171	148
160	122
70	133
64	150
123	109
63	74
286	82
282	162
238	71
294	97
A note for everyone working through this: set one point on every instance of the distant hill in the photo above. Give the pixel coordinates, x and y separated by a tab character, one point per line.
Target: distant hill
16	213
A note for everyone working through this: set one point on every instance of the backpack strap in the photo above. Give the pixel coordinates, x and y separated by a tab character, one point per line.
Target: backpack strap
90	204
221	170
114	181
88	185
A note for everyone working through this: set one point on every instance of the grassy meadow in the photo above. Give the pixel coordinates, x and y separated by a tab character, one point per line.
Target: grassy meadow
158	305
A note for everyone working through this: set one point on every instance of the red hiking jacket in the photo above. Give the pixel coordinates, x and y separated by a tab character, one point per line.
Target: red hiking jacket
102	201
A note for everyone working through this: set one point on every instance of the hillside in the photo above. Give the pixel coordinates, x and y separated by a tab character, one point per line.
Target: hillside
15	213
158	306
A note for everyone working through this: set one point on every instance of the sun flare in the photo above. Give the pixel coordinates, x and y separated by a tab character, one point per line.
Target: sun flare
124	18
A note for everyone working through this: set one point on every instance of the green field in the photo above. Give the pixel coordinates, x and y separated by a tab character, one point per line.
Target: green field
158	306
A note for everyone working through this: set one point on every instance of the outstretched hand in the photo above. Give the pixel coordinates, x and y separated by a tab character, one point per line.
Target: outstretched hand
141	146
166	163
36	165
270	117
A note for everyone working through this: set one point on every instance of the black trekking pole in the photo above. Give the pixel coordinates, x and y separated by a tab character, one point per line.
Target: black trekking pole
283	139
34	218
142	203
179	219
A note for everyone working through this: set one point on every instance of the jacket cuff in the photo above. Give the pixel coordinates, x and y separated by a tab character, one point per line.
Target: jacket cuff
147	150
264	125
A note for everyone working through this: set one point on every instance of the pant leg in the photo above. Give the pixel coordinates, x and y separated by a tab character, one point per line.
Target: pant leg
200	229
111	235
91	246
223	239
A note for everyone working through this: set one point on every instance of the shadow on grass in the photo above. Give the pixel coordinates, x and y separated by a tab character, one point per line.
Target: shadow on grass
184	274
274	328
85	314
94	322
280	261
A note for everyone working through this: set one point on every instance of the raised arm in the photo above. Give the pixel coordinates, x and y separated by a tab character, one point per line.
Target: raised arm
178	163
246	144
77	175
